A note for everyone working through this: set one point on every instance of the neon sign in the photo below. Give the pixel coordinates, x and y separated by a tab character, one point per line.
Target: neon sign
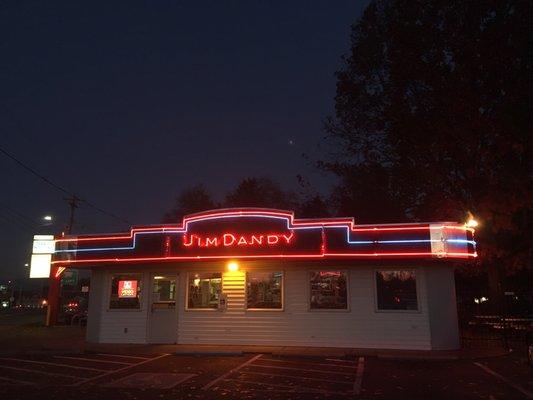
127	289
266	234
230	239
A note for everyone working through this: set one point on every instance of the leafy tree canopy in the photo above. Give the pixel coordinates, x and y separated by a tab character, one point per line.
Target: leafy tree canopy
191	200
432	118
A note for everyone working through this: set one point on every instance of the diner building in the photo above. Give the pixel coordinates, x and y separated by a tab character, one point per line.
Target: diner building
262	277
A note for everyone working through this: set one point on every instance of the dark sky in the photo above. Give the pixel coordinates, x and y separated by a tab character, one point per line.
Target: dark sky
127	103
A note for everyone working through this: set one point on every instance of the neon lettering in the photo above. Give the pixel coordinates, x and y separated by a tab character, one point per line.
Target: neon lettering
211	242
231	239
272	239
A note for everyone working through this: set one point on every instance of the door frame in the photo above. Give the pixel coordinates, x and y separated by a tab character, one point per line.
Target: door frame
149	307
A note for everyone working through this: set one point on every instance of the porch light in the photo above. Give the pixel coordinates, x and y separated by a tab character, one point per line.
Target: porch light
233	266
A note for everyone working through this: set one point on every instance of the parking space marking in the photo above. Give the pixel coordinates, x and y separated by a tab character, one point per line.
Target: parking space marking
94	359
309	363
293	376
524	391
123	356
110	372
293	389
294	382
39	372
224	376
55	364
341	360
16	381
359	376
302	369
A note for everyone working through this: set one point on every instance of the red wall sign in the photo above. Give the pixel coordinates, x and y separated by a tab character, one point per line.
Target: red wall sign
127	289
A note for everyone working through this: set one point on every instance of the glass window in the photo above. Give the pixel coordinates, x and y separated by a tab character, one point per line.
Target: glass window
125	291
204	290
328	290
164	289
396	290
263	290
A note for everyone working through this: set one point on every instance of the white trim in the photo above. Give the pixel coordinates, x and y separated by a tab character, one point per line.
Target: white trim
416	271
308	291
109	279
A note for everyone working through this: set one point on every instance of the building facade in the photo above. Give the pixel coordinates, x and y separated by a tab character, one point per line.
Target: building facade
262	277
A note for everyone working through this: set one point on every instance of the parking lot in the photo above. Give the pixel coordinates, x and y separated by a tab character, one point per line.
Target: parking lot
257	376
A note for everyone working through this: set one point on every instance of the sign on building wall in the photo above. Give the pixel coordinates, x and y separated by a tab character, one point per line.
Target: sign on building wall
127	289
69	278
41	258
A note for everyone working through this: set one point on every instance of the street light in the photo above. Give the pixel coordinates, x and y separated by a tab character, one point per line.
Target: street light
47	218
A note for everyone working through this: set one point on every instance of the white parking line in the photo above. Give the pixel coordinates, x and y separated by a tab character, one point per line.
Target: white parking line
310	363
292	376
110	372
39	372
17	381
292	389
341	360
525	392
303	369
94	359
359	376
223	376
55	364
123	356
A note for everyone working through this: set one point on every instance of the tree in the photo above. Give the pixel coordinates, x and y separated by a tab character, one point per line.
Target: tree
259	192
436	96
191	200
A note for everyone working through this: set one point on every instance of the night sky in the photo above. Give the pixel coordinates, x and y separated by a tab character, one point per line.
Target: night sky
126	104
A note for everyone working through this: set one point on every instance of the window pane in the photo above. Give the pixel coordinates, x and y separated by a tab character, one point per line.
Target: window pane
264	289
328	290
396	290
164	289
125	291
204	290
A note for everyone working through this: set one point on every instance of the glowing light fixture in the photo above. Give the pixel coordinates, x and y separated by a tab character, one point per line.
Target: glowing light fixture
472	223
233	266
47	217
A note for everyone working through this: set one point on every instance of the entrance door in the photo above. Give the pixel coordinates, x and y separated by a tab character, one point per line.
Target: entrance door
163	318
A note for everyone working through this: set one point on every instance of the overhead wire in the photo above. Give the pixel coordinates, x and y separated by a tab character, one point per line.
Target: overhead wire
58	187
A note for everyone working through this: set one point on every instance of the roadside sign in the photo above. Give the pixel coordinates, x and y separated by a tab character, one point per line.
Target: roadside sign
69	278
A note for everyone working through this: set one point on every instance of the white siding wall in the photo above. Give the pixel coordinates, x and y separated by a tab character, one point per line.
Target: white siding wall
124	326
295	325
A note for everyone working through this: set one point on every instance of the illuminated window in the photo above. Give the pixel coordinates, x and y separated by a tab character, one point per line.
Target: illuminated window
396	290
264	290
164	289
328	290
204	290
125	291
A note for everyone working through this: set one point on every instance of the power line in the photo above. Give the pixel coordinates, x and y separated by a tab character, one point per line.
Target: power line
60	188
19	214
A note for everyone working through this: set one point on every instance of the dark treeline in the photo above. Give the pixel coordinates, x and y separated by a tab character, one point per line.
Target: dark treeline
251	192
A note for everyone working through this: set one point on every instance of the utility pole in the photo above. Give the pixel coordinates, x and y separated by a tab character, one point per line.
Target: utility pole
73	203
54	290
